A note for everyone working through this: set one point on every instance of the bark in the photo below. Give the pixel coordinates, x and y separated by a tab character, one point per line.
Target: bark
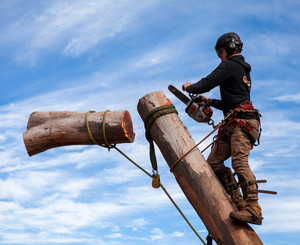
49	129
194	175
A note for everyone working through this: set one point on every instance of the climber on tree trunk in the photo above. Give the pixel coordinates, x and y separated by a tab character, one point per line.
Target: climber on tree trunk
237	136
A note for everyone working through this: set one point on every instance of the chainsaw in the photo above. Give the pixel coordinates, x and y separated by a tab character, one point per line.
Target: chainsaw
196	107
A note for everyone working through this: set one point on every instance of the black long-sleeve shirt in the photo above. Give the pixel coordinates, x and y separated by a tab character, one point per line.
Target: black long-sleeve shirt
233	77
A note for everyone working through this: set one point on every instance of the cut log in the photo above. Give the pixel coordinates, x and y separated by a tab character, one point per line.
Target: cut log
194	175
49	129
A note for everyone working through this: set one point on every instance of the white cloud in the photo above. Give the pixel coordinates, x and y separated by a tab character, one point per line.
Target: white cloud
24	186
177	234
58	216
288	98
2	137
137	224
282	217
280	129
157	234
73	26
163	53
114	235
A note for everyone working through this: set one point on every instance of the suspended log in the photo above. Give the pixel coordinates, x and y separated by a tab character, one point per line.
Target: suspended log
49	129
194	175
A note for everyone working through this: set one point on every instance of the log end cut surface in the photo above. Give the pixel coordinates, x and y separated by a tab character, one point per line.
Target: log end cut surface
127	126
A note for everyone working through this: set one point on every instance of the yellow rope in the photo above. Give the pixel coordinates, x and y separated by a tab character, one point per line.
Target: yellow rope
133	162
160	184
185	154
107	145
179	210
207	147
103	129
88	127
215	128
166	192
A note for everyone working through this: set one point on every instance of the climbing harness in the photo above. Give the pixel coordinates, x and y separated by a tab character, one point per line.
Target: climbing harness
230	122
155	176
247	107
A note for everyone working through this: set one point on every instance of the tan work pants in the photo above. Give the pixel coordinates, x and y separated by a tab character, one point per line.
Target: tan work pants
238	147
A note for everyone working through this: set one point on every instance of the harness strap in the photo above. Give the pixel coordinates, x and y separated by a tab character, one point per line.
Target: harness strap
246	107
247	104
218	138
244	124
231	123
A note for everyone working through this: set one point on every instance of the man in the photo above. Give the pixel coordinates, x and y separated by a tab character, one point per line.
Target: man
236	138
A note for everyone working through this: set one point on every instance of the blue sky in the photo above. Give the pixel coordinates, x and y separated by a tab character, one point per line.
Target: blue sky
96	55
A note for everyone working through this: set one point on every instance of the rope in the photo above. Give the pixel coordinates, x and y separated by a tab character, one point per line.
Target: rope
103	130
149	120
156	113
207	147
128	158
88	127
185	154
215	128
179	210
107	145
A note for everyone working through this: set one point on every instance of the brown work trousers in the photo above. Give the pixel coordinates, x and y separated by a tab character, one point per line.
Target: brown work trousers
234	142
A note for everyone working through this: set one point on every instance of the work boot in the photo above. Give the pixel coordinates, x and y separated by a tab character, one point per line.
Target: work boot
250	214
229	183
238	201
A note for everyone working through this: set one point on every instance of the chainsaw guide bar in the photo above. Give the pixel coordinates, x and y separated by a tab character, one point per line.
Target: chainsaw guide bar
196	107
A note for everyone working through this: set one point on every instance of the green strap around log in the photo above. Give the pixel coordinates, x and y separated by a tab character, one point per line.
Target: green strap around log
149	120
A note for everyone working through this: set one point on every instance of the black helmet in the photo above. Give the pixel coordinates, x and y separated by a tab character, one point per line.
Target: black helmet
231	43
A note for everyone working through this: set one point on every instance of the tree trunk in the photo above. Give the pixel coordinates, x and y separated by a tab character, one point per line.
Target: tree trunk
51	129
194	175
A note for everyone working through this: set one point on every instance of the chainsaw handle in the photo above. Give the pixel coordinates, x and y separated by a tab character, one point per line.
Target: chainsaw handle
198	99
